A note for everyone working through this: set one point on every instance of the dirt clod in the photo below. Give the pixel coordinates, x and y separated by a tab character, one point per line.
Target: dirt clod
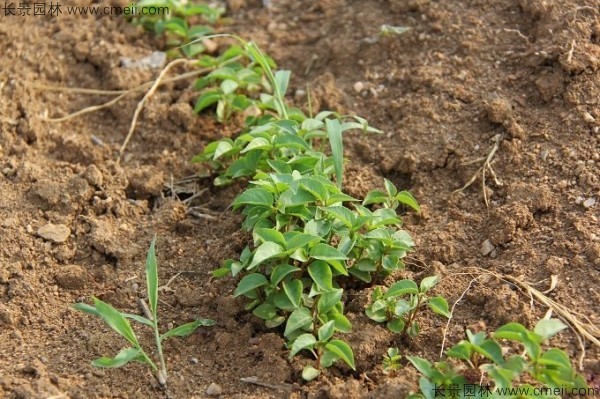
214	390
71	277
57	233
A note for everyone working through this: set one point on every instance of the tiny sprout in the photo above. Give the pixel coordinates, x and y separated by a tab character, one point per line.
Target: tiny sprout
119	321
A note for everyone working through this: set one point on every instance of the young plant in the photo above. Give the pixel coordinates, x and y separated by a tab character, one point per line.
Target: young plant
308	234
391	361
119	321
391	198
501	368
398	305
175	24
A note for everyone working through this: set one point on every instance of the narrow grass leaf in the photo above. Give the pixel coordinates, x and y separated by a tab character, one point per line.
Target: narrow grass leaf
334	133
186	329
116	321
152	277
122	358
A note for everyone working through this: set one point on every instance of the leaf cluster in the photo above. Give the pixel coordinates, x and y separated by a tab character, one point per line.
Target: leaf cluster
501	365
400	303
177	25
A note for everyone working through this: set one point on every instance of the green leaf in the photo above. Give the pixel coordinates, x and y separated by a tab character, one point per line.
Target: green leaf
309	373
297	320
375	197
402	287
422	365
406	198
266	235
396	326
555	358
390	188
123	357
280	271
295	240
304	341
343	350
326	331
462	351
547	328
428	283
84	307
254	196
258	143
139	319
293	290
439	305
116	321
223	147
281	81
328	300
492	350
341	214
326	252
265	311
334	133
228	86
321	274
187	329
265	251
250	283
152	278
207	99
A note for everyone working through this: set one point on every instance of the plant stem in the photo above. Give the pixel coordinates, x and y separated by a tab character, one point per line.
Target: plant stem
162	373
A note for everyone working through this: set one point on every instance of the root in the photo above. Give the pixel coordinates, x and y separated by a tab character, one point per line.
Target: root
483	170
121	93
140	105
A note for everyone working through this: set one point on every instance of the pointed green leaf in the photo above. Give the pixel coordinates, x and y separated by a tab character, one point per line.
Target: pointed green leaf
402	287
280	271
326	331
116	321
321	274
123	357
250	283
326	252
375	197
265	251
304	341
390	188
297	320
439	305
343	350
152	277
422	365
309	373
406	198
547	328
428	283
293	290
254	196
269	235
186	329
334	134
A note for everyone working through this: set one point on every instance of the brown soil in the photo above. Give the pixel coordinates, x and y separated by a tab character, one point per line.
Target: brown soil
526	70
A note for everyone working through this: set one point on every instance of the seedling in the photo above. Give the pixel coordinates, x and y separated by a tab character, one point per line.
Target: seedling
486	358
399	305
119	321
391	360
175	26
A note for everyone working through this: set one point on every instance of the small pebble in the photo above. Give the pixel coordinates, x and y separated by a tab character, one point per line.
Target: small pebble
359	87
487	247
590	202
194	360
57	233
214	390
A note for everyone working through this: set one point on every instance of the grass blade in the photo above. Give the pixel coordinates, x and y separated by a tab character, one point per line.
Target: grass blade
334	133
116	321
152	278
